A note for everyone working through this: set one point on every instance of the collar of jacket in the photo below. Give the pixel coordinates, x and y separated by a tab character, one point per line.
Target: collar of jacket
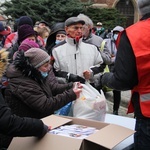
72	41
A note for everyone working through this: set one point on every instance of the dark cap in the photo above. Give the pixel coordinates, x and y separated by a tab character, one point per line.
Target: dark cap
73	20
25	31
46	23
25	20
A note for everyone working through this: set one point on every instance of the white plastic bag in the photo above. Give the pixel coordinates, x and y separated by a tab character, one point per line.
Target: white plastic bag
91	104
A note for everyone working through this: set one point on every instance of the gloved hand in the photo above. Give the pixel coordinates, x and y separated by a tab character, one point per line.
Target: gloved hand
98	82
75	78
44	131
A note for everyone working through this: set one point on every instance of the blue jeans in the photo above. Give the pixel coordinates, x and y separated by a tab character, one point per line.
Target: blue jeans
142	135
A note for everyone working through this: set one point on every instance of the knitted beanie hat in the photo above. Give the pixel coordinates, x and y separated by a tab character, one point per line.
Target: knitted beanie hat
37	57
144	6
25	31
27	44
25	20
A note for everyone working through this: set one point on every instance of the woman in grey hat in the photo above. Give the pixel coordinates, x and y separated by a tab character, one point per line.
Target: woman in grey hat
33	90
12	125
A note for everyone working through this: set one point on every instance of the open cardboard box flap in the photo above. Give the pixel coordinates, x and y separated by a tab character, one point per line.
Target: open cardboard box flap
108	132
48	142
108	136
55	121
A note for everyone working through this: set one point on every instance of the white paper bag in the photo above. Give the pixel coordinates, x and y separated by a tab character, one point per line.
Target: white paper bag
91	104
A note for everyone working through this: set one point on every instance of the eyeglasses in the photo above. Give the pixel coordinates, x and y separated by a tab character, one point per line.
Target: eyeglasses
77	27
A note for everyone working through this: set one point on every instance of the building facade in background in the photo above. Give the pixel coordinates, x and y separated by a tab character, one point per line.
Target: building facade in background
125	7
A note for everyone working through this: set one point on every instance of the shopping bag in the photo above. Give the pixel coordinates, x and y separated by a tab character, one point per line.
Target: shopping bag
91	104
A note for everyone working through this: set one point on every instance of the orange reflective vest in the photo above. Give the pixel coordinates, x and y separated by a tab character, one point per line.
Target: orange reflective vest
138	35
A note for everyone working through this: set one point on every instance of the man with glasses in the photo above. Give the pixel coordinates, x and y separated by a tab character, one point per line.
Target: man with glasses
74	59
91	38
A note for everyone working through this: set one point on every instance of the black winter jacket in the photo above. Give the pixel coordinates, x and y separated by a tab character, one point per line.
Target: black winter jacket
15	126
29	95
12	125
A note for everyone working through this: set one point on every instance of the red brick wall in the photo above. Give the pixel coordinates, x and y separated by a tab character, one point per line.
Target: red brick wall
100	1
108	2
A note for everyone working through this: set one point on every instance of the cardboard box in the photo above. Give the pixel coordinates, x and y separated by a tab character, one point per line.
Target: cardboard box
107	136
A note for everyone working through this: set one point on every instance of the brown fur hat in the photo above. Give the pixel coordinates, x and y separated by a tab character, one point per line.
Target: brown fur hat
3	61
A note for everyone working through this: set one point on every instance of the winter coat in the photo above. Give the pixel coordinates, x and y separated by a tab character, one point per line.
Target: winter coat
16	126
12	125
76	57
111	46
52	37
12	50
97	41
29	94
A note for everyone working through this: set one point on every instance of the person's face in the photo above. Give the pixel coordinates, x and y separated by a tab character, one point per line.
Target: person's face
32	37
41	25
74	30
60	37
98	27
115	35
86	30
45	67
45	35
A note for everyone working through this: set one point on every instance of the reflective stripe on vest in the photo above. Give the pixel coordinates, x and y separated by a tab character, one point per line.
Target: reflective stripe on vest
145	97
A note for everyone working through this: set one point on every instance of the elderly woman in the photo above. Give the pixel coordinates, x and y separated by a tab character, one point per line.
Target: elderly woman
12	125
33	90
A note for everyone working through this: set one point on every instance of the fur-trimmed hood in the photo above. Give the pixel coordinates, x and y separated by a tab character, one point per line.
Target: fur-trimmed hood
3	61
21	66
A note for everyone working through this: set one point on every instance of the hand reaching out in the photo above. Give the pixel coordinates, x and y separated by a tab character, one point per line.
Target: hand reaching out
77	88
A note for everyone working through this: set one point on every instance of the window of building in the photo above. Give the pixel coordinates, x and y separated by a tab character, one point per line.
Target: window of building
126	8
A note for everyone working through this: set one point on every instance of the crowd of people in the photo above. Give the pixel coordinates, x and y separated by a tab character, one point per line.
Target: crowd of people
42	69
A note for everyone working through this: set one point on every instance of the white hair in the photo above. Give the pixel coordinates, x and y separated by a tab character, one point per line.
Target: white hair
86	19
144	6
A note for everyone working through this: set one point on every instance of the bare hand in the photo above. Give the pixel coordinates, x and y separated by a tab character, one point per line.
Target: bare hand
87	74
77	85
77	89
77	92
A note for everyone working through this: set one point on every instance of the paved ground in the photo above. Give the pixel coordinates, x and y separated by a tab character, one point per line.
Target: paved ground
125	97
